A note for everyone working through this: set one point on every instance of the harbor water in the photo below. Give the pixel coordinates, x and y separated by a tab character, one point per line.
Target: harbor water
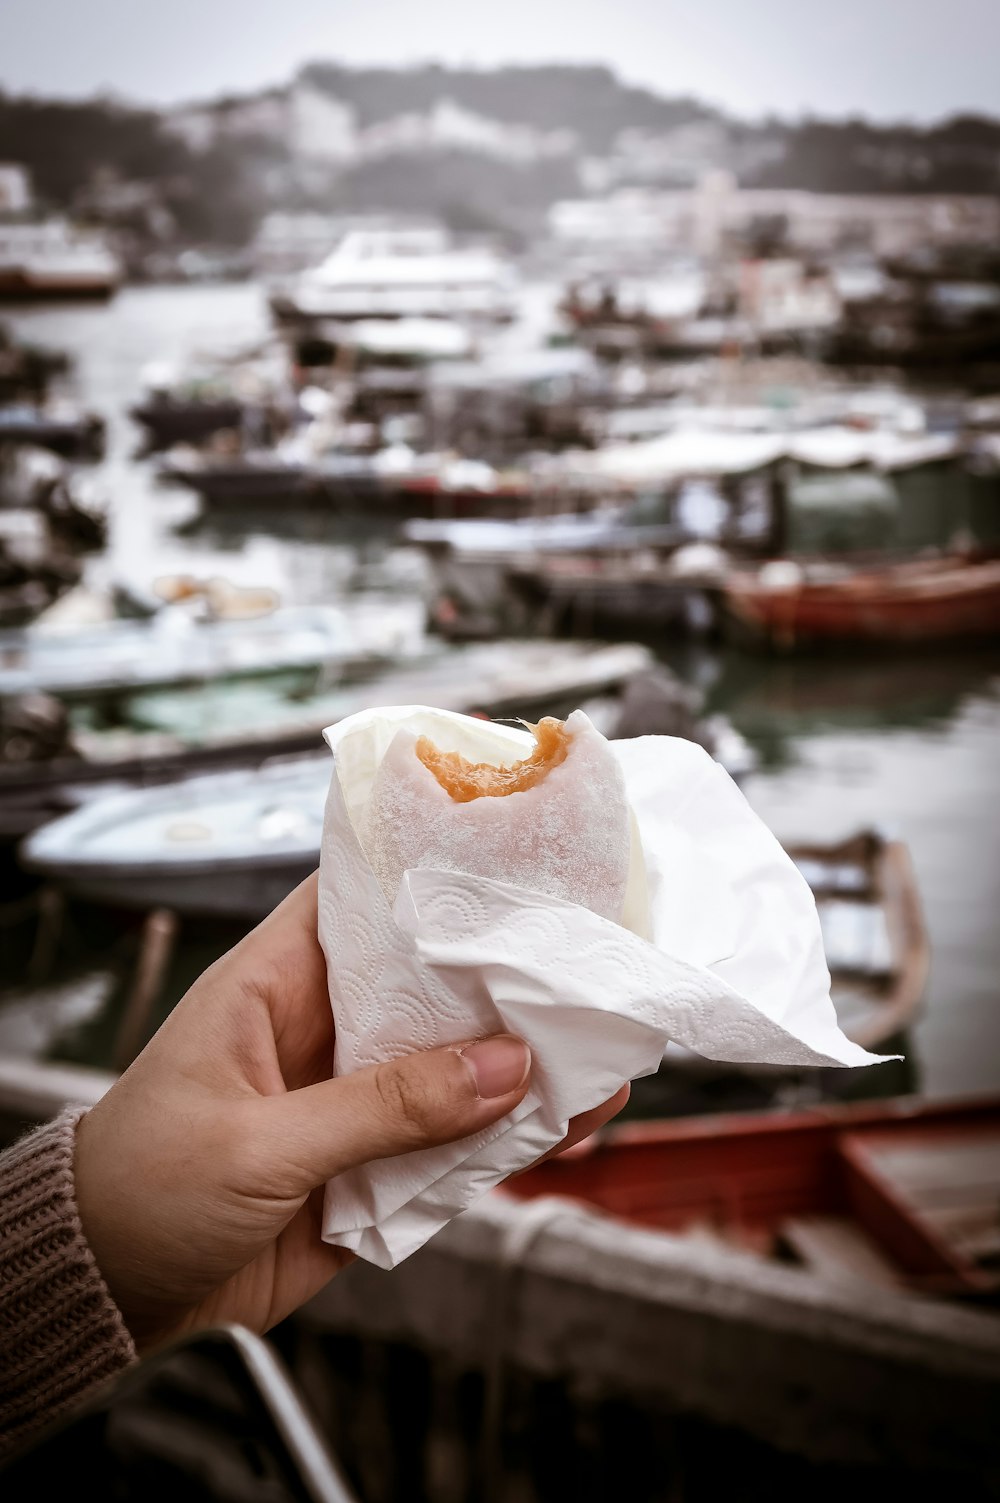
908	745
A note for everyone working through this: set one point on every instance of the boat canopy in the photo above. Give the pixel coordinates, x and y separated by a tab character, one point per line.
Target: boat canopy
707	451
840	513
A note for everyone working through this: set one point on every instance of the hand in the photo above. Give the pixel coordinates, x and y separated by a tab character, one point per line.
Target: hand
200	1174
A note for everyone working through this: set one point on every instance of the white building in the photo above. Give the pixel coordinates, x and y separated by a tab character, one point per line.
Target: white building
15	188
203	125
705	218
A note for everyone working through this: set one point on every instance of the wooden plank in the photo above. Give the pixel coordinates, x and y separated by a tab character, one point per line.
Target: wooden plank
838	1249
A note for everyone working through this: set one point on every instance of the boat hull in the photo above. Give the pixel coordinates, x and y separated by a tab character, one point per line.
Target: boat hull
231	892
904	608
757	1178
167	423
20	286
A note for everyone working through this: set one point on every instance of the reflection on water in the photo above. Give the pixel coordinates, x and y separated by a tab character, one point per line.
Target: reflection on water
776	699
907	744
921	765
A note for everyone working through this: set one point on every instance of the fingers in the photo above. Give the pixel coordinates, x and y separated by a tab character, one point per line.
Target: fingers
417	1101
583	1127
287	941
587	1123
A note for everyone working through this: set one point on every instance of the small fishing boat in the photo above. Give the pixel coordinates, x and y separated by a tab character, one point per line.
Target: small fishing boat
874	934
265	477
172	735
60	427
786	606
173	418
896	1194
231	843
175	647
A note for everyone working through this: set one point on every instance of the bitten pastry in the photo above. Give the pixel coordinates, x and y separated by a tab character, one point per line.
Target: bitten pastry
556	821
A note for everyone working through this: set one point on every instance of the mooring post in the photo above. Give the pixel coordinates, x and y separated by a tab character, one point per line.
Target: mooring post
159	934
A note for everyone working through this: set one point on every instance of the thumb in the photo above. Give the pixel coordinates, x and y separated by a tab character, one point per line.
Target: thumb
416	1101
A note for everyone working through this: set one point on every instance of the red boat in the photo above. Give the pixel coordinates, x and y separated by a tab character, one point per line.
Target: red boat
895	1193
785	605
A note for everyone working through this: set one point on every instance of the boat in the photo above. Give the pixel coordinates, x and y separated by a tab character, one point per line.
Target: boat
27	370
59	427
39	556
174	418
248	393
505	538
258	829
540	1338
786	606
265	477
399	483
165	736
897	1194
412	272
52	259
877	950
232	844
874	935
120	657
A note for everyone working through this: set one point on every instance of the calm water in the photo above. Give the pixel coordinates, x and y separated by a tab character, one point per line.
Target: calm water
910	746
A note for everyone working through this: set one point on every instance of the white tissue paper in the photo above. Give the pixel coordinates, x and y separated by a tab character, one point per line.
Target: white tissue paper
728	962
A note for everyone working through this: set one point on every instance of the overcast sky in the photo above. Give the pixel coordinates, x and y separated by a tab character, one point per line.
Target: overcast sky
887	58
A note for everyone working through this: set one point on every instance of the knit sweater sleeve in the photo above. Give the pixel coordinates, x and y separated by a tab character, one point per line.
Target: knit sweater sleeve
61	1334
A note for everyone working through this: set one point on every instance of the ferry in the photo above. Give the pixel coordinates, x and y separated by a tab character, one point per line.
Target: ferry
52	259
416	272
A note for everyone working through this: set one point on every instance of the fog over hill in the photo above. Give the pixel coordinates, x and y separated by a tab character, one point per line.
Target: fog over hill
485	148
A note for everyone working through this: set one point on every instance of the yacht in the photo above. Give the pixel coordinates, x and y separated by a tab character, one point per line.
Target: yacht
401	273
53	258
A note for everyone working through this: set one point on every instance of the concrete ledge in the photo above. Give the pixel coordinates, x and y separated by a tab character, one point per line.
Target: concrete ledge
832	1374
32	1091
847	1374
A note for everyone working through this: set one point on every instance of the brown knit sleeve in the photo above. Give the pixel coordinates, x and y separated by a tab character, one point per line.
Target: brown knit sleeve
61	1334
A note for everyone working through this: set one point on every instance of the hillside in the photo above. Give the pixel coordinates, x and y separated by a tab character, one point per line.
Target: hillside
483	148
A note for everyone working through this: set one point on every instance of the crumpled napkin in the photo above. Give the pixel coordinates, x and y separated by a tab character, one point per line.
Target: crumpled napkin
733	968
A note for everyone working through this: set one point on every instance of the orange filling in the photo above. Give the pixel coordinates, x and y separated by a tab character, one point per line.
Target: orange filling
466	780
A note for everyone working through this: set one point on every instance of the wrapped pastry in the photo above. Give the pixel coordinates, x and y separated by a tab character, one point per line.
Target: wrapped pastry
597	899
555	820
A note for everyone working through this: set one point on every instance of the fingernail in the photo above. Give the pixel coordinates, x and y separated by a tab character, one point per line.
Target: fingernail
499	1065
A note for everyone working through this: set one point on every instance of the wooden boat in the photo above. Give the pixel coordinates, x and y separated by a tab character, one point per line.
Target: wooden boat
874	934
785	607
895	1193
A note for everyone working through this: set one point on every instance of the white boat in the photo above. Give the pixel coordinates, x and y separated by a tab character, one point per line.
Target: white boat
52	258
472	537
232	843
401	273
174	647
